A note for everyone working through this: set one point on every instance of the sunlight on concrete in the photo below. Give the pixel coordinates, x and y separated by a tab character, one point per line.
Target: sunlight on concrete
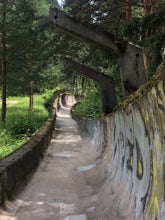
85	168
76	217
67	154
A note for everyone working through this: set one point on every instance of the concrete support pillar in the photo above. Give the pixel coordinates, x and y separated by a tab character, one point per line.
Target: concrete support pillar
106	83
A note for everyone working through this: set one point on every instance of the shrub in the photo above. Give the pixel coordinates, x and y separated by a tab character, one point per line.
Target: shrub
23	124
48	97
90	105
20	123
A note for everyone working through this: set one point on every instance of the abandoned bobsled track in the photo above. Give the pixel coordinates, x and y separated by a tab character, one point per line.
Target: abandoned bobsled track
113	171
64	185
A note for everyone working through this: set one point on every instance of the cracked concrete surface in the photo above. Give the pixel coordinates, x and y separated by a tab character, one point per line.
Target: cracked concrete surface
63	186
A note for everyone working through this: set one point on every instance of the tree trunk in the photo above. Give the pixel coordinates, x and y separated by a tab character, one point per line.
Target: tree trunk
4	72
31	97
128	10
147	7
147	12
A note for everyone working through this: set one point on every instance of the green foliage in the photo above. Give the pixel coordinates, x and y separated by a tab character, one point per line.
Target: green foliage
132	30
32	47
20	123
9	143
48	98
149	32
25	123
90	105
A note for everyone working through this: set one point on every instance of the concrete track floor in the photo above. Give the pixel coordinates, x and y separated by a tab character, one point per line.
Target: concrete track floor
63	187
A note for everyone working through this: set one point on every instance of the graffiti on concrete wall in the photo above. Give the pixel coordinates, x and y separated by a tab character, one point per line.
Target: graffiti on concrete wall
133	142
130	167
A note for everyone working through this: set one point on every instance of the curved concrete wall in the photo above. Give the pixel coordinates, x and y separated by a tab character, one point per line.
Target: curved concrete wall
131	143
67	100
16	168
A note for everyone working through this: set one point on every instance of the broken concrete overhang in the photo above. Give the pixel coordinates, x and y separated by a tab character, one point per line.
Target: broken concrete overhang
130	56
86	31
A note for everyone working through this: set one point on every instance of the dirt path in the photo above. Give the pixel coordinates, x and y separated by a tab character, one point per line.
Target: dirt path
61	188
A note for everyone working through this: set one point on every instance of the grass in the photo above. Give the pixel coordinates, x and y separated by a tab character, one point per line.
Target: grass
21	124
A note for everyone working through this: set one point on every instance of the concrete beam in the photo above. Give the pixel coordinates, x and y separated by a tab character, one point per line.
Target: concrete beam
87	71
130	57
106	83
82	30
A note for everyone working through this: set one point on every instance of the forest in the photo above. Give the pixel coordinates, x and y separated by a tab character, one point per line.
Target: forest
32	50
108	161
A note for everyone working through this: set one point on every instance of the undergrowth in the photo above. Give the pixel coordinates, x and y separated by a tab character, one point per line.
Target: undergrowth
90	106
21	124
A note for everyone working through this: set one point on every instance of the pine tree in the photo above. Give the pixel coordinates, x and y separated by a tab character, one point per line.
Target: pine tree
4	72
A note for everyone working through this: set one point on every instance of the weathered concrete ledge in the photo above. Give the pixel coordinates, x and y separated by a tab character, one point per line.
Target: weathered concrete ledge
16	168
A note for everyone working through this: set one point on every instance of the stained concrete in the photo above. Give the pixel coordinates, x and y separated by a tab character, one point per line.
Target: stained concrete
61	188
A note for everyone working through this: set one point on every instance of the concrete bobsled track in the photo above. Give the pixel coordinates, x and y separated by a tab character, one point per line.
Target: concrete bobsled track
114	171
131	142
